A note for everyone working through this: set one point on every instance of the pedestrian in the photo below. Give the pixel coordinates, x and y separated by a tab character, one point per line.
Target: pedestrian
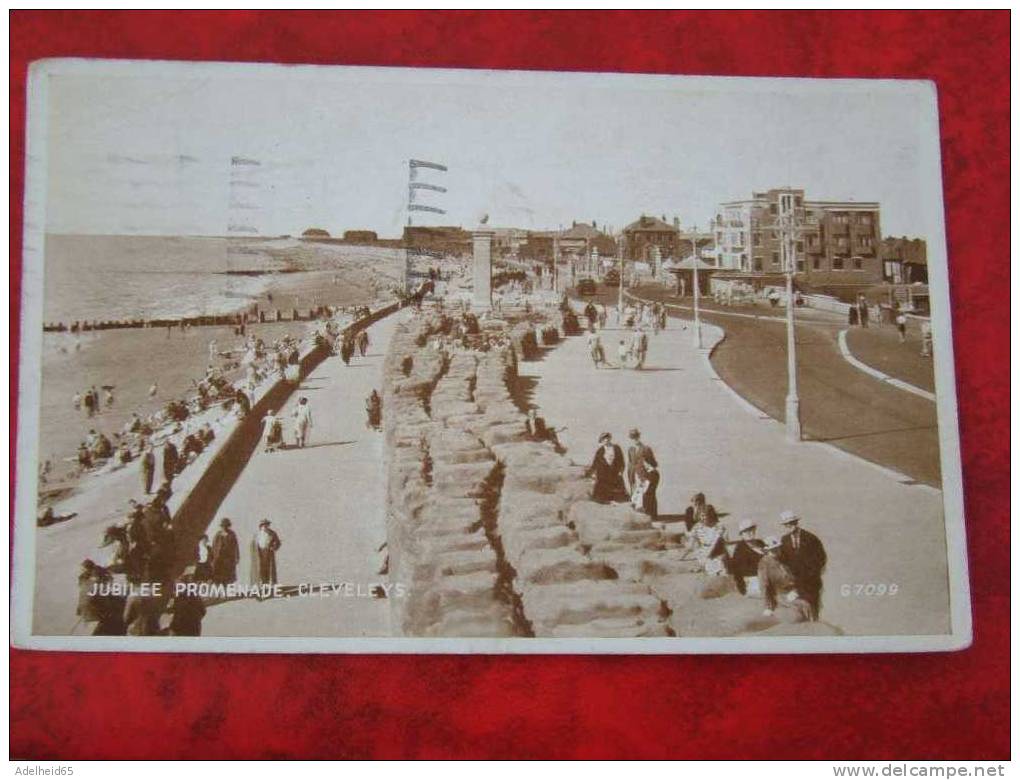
852	316
89	403
141	615
171	460
804	555
602	316
373	408
607	469
272	431
76	401
148	461
901	326
263	554
862	306
104	610
108	396
745	557
203	560
187	611
363	342
623	354
598	354
302	421
226	553
643	476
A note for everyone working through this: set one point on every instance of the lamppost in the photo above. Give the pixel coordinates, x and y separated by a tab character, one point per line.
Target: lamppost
788	228
697	291
619	301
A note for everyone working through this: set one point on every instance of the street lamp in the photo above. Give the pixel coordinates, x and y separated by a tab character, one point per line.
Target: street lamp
619	301
697	291
788	228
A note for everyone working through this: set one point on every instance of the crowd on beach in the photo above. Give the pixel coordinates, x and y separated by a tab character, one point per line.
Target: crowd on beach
145	547
229	383
783	570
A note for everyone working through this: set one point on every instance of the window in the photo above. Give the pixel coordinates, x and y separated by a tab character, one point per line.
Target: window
773	208
757	264
837	264
865	241
816	263
800	265
775	258
842	242
756	239
857	264
798	200
800	246
864	219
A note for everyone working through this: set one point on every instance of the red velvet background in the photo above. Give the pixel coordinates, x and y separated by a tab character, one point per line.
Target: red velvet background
825	707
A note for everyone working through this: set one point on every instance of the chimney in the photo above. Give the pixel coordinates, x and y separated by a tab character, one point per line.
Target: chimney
676	222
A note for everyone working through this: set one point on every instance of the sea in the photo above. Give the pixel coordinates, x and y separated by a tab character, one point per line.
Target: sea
103	278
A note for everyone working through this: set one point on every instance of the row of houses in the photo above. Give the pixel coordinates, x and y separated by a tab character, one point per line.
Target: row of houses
829	244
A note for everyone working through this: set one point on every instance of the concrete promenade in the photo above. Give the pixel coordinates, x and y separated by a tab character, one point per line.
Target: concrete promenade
326	502
876	529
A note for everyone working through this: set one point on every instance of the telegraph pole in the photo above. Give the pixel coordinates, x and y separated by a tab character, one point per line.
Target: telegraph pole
697	291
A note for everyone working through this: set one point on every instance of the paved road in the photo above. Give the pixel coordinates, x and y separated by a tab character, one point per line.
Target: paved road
877	529
839	404
326	502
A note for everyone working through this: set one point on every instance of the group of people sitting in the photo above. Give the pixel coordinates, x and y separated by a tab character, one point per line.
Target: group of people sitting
784	569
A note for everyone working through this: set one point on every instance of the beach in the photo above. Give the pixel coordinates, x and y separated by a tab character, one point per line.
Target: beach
131	360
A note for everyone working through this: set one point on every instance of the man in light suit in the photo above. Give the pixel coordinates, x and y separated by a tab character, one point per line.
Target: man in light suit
804	555
643	471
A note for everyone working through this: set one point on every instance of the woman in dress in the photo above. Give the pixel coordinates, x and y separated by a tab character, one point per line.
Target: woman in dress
607	468
272	430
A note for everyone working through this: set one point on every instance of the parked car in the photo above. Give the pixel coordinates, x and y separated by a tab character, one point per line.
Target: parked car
586	287
612	278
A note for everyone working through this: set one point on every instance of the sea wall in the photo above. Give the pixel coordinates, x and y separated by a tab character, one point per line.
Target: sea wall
493	530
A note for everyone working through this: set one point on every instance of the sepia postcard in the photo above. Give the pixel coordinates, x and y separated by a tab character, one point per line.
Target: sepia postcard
338	359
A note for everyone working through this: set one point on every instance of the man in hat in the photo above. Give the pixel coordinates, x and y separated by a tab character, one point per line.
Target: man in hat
148	468
607	469
226	553
263	554
803	554
746	555
643	475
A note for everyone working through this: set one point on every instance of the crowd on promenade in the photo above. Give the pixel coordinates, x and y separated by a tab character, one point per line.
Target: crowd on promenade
120	598
640	319
146	546
784	570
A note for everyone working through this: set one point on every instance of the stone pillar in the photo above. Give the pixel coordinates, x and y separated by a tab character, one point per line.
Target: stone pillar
482	298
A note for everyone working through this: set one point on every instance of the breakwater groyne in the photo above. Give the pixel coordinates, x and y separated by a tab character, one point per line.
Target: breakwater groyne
254	314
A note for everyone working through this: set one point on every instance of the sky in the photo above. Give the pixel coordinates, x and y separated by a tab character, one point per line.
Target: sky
147	148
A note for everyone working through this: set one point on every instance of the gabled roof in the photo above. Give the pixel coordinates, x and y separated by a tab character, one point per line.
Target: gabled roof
648	224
